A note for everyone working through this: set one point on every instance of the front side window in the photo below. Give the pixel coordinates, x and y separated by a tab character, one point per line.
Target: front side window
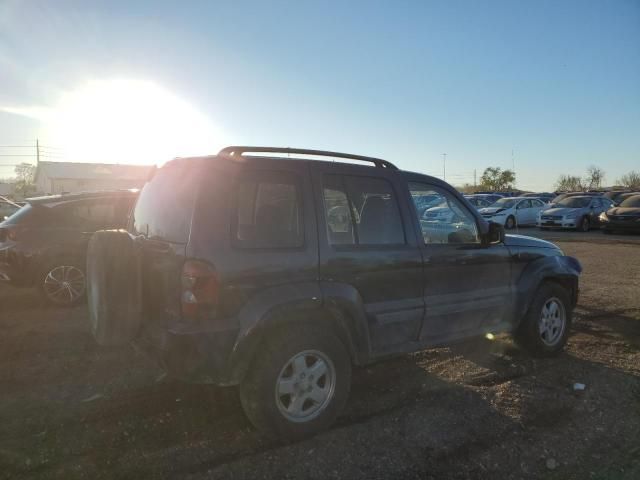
269	212
448	222
361	211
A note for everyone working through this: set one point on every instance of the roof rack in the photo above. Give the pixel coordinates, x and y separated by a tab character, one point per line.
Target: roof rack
240	150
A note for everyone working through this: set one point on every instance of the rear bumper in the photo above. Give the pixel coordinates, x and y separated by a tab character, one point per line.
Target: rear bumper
191	354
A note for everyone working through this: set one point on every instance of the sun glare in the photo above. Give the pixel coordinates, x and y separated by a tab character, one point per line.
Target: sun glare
129	121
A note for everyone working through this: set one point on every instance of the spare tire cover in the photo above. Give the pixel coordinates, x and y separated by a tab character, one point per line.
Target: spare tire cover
114	287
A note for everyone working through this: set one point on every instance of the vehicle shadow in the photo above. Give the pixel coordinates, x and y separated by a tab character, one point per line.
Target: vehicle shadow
610	324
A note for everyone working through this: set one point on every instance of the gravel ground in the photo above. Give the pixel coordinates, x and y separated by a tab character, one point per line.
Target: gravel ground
69	409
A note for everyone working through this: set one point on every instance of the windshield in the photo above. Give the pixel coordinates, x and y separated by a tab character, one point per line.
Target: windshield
574	202
504	203
632	202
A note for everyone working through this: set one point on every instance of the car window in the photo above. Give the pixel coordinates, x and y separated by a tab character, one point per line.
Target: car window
537	203
338	214
450	223
363	211
269	211
524	204
165	206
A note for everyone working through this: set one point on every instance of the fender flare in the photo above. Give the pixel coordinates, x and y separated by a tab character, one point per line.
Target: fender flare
337	304
562	269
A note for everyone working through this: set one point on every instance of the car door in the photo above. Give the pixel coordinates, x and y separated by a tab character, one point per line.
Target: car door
467	286
523	212
368	250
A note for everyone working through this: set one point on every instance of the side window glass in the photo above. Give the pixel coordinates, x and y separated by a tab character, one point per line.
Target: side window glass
447	222
337	211
361	211
376	212
269	212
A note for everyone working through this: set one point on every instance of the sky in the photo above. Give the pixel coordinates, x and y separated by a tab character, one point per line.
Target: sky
550	87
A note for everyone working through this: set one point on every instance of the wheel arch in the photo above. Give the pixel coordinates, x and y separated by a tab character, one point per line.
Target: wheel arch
337	306
562	270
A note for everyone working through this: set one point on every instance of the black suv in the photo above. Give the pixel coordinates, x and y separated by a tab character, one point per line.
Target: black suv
44	243
273	270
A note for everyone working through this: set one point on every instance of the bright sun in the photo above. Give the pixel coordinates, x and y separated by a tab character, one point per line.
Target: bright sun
129	121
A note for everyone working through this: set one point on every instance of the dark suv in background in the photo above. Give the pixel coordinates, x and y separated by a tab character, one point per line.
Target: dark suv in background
44	243
278	274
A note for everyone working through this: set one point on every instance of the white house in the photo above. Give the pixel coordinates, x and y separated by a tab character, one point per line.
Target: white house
59	177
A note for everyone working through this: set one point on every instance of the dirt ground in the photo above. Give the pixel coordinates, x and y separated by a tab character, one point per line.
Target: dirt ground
69	409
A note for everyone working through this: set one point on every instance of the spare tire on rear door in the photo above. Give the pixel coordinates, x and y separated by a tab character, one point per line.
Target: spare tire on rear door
113	287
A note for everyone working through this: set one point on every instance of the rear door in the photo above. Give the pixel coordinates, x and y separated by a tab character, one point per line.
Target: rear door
161	224
367	244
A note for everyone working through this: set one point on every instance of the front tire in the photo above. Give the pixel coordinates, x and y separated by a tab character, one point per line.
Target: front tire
298	382
545	328
510	224
584	225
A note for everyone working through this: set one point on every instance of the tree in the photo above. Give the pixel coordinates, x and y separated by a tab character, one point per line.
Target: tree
569	183
594	178
496	179
630	180
25	173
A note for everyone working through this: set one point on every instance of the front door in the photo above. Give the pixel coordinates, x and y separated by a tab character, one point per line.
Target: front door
467	285
369	250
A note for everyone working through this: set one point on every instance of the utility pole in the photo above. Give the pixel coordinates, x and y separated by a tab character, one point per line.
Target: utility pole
444	167
37	152
474	178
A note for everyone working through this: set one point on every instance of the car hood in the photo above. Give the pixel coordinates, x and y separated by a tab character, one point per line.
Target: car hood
512	240
624	211
561	211
492	209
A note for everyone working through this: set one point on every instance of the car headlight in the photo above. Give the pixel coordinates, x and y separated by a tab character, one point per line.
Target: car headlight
603	217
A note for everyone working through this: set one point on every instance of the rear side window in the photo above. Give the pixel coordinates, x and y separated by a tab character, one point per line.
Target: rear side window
165	206
268	211
361	210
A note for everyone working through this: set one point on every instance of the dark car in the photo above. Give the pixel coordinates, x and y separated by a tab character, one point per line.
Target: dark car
278	274
579	212
614	195
564	195
545	197
44	243
478	201
624	217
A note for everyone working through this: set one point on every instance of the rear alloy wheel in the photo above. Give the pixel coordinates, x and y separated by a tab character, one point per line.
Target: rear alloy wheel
298	381
584	225
510	223
64	285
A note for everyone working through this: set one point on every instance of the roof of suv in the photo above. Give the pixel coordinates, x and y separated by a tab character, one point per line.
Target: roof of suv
83	196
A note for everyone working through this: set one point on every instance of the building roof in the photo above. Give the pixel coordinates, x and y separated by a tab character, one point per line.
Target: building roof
92	171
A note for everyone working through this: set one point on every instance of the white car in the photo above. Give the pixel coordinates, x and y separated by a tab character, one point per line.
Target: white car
439	214
514	211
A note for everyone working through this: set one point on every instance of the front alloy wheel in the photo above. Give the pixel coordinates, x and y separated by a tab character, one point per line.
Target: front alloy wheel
64	285
552	322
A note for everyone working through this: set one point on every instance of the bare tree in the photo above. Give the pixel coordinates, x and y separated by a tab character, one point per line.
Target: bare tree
569	183
630	180
594	178
25	173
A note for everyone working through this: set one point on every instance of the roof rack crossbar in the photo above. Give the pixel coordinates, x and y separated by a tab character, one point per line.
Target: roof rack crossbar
239	150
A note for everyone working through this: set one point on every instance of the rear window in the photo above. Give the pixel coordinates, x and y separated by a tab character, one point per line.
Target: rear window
165	206
269	211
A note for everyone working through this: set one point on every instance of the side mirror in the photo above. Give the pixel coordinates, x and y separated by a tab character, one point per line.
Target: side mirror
494	235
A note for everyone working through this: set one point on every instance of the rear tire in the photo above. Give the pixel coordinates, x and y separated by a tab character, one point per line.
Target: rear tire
282	397
545	328
113	287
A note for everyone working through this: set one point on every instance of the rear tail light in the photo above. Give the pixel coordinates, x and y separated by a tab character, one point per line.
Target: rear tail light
199	297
